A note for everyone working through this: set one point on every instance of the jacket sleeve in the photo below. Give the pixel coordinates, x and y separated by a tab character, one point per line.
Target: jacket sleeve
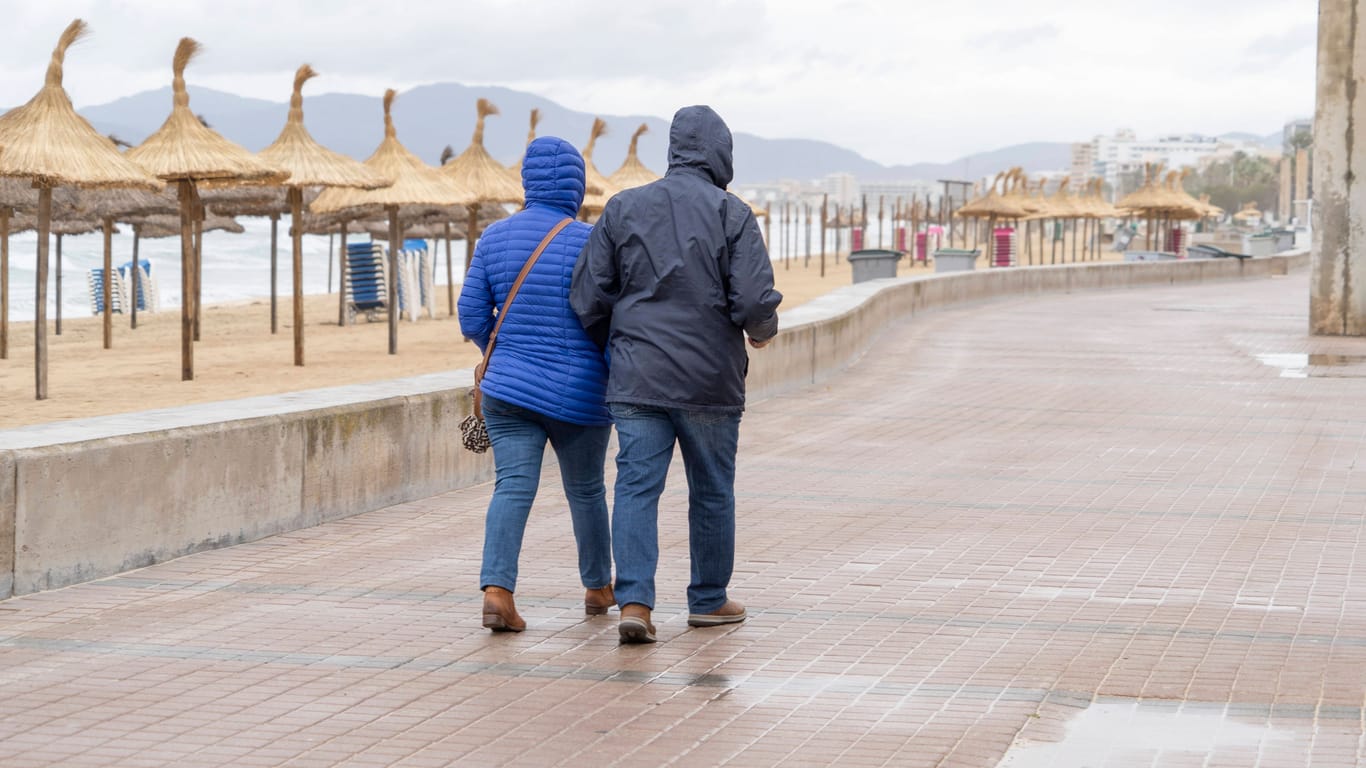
596	285
753	300
476	301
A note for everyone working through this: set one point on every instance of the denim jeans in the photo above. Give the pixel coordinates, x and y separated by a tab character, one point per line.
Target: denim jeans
708	441
519	436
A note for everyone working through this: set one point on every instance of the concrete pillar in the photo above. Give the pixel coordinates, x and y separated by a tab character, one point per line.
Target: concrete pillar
1337	301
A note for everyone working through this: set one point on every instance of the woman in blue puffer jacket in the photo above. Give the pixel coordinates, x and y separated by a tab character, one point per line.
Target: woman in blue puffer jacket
545	381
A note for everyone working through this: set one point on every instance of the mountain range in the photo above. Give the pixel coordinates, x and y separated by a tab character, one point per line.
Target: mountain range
431	117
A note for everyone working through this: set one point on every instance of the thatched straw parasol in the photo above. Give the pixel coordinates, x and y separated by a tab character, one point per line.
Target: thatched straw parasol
485	179
186	151
994	205
163	225
310	164
599	189
417	187
1248	213
46	141
632	172
530	137
107	206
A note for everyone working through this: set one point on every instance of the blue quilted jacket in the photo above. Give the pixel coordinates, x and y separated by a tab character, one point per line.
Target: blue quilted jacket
544	360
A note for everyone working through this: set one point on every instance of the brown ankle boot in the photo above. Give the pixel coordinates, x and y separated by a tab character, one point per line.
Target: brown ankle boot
635	626
597	601
500	612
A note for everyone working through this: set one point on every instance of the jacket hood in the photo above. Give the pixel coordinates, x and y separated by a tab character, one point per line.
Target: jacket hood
553	175
700	140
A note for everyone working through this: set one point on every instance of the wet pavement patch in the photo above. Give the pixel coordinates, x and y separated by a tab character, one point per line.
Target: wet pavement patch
1296	365
1121	732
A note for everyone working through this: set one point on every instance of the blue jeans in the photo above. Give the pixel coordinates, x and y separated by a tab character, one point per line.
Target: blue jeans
708	441
519	436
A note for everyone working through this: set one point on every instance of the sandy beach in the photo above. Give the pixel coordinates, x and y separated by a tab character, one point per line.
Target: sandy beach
238	357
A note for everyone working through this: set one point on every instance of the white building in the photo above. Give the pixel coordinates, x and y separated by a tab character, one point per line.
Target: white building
842	188
1123	155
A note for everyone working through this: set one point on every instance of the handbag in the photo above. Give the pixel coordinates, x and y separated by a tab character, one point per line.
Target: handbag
473	433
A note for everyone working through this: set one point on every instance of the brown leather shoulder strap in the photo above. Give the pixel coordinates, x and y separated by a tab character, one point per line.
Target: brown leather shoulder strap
512	294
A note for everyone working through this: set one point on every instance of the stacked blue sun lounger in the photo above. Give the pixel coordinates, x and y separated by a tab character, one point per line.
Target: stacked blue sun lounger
366	289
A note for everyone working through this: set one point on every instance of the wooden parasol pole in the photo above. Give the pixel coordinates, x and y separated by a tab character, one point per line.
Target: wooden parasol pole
450	277
343	272
879	221
59	285
471	232
40	291
768	225
296	234
136	274
108	282
330	253
863	223
839	234
274	272
806	260
198	260
392	286
782	236
4	283
185	190
825	210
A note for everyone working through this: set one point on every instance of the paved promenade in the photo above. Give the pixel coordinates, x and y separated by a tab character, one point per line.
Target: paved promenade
1106	529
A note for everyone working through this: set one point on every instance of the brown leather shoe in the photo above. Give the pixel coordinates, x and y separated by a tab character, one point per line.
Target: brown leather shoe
500	612
730	613
635	626
597	601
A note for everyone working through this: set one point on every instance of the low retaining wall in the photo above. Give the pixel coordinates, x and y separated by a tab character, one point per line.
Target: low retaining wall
85	499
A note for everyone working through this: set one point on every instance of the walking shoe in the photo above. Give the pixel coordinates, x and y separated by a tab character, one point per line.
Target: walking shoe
597	601
635	626
730	613
500	612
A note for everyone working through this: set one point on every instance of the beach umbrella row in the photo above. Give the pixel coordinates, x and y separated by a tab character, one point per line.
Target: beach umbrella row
46	146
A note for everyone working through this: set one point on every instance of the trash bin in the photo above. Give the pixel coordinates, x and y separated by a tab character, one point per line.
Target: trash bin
955	259
1285	239
874	263
1259	245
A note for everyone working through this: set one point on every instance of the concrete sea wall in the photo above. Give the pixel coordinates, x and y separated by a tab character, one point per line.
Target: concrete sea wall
89	498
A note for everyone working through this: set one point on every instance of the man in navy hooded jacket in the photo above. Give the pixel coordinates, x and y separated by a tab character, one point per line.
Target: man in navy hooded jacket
673	277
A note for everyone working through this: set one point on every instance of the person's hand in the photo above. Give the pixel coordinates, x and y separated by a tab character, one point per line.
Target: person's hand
761	344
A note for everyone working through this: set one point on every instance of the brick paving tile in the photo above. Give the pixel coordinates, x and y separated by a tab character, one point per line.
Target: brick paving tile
1010	532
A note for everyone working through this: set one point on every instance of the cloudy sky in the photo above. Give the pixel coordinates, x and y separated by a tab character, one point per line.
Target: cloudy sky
898	81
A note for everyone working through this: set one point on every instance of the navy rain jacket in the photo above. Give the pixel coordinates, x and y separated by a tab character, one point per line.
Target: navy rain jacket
675	274
544	361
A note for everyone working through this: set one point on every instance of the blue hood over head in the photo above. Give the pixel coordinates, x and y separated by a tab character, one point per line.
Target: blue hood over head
700	140
553	175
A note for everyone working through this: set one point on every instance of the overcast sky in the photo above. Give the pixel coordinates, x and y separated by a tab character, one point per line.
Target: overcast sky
898	81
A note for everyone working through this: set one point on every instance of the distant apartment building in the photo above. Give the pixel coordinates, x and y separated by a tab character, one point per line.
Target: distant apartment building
1120	159
1083	163
843	188
1298	125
